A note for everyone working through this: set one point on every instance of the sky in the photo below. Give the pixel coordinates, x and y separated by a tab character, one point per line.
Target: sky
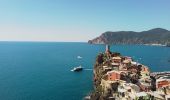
78	20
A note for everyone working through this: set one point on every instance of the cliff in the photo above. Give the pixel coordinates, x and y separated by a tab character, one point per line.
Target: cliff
153	36
99	74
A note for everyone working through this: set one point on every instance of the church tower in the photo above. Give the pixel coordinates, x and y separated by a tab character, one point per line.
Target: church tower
107	48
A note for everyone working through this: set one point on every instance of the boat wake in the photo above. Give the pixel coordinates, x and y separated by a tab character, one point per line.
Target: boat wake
88	69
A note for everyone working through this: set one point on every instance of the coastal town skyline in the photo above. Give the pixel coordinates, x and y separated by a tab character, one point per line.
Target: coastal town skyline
78	21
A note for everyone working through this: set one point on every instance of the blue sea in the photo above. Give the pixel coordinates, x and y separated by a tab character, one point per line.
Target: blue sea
41	70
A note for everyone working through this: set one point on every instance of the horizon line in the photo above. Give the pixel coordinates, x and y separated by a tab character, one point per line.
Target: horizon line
42	41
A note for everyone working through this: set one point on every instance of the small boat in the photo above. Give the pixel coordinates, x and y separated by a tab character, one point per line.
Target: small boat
77	69
87	97
79	57
168	45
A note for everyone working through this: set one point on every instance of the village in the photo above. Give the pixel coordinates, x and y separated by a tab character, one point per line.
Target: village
119	77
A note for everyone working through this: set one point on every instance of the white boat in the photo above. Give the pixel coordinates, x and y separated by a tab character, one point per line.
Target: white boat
76	69
79	57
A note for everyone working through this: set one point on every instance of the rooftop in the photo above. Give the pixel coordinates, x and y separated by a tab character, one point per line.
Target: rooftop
118	58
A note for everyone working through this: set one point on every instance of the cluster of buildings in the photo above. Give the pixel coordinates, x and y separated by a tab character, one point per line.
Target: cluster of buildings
125	79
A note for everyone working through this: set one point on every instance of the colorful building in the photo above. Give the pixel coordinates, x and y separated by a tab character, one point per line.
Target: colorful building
162	83
113	75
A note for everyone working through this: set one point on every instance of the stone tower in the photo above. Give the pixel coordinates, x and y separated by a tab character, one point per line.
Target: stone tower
107	48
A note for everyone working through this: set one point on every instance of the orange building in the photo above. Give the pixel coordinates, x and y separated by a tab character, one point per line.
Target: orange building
113	75
162	83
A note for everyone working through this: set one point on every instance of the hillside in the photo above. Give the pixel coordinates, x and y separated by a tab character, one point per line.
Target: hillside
153	36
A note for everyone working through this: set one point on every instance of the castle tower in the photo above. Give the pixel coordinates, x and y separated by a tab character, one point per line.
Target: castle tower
107	48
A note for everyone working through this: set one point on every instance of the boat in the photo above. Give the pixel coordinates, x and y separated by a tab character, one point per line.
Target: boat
77	69
79	57
168	45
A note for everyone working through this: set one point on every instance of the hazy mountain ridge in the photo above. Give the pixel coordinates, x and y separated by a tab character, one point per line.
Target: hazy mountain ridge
153	36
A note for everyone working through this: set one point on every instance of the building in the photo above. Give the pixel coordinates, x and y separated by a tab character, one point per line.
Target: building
142	96
145	84
116	59
145	71
126	61
162	83
116	75
113	75
115	66
106	68
127	91
167	97
128	58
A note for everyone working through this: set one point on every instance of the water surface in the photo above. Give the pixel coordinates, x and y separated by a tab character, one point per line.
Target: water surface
41	71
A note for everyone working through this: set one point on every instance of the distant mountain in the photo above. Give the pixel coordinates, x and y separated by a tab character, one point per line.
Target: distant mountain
153	36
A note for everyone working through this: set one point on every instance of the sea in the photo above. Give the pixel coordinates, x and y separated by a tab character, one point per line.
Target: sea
41	70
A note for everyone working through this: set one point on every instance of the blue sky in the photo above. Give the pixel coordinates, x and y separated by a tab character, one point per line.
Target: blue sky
78	20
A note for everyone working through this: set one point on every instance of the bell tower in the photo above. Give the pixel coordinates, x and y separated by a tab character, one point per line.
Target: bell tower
107	48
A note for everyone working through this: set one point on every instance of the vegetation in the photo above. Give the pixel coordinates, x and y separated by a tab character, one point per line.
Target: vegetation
154	36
